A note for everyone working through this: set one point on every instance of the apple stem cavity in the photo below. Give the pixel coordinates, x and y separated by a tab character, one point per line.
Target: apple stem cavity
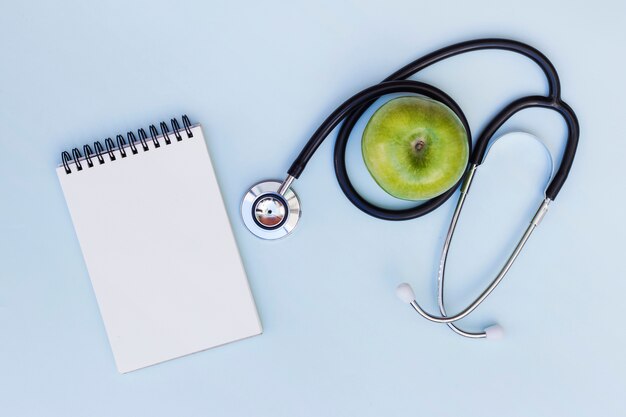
419	144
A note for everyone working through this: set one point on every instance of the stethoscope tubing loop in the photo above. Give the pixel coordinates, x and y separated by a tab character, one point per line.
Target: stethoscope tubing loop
558	105
352	109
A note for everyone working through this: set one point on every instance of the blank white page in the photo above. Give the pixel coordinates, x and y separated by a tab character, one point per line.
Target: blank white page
160	251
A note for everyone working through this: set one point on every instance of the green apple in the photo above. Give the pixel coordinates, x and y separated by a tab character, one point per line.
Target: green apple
415	148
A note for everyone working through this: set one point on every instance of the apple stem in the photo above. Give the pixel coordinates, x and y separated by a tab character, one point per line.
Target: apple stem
419	145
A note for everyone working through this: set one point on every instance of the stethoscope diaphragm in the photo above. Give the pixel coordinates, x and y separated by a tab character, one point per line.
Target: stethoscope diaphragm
268	214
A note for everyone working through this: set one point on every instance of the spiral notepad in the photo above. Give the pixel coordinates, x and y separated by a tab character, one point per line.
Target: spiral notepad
157	244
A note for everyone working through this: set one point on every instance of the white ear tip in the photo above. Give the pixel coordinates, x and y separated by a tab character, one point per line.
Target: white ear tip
405	293
495	332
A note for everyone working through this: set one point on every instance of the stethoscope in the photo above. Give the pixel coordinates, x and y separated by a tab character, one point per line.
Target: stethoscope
271	209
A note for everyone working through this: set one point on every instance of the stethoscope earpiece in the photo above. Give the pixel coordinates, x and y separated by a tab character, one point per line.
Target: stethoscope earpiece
494	332
405	293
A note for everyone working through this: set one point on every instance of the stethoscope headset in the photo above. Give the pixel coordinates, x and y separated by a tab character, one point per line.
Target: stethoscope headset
271	210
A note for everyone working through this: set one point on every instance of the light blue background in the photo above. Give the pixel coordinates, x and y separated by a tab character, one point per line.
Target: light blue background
260	76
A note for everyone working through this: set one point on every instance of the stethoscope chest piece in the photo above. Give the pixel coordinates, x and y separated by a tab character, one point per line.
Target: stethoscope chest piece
268	214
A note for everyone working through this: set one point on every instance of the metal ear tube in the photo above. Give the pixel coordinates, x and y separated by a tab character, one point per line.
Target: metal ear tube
403	292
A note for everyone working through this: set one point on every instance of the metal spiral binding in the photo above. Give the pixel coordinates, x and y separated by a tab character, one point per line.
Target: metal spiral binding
143	137
99	150
88	152
121	143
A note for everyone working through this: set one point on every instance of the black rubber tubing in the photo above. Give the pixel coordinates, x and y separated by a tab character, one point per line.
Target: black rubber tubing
352	109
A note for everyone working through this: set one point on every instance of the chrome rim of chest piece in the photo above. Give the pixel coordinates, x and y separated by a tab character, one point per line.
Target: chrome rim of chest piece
268	214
